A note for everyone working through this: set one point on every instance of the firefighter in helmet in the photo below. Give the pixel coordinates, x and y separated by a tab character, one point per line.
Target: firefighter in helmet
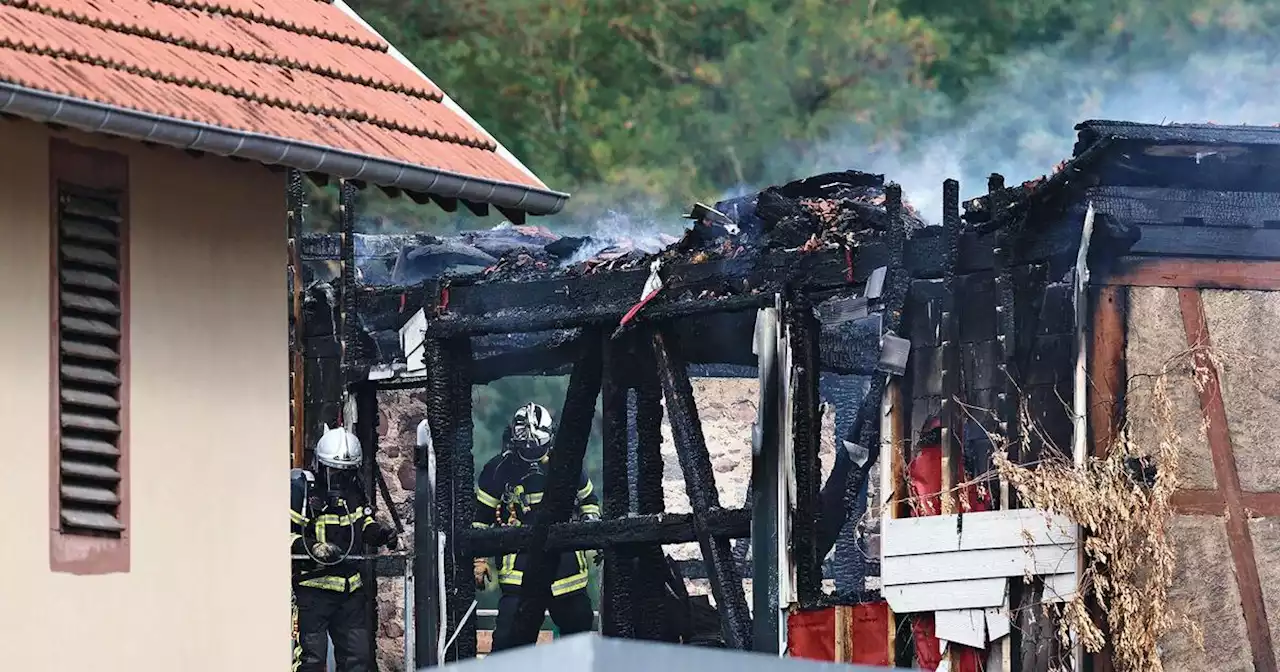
508	491
330	520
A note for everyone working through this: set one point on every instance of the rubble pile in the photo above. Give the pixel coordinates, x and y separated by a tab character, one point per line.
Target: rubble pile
822	212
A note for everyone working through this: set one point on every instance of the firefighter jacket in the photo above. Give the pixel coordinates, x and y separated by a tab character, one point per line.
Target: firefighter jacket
508	492
319	517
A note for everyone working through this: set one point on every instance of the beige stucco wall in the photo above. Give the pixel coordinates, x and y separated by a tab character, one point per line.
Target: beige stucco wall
208	587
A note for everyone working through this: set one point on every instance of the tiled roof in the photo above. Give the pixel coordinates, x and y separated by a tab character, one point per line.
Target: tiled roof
303	71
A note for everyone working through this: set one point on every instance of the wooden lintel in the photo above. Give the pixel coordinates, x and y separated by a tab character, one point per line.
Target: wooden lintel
1198	273
1224	466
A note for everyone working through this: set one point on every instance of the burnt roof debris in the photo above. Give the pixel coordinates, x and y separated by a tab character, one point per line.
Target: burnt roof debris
827	211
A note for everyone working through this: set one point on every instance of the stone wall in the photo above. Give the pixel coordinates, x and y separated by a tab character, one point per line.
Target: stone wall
400	412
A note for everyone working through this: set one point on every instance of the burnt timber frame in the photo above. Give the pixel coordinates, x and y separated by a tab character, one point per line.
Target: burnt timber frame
633	529
631	533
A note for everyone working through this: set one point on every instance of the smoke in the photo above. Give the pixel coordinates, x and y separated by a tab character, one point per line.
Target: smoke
1021	124
644	230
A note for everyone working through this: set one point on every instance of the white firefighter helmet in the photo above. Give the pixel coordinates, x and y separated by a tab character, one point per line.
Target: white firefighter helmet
339	449
531	431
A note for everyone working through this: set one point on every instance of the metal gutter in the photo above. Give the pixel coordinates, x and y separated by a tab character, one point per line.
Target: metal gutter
446	100
94	117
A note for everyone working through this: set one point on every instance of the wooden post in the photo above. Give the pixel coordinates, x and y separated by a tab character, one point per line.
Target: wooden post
949	414
892	476
297	202
616	619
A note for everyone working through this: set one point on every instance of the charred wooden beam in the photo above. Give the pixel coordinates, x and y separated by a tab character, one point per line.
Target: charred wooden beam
700	483
350	330
654	529
539	360
949	413
562	480
806	436
449	414
1008	399
616	618
600	299
650	562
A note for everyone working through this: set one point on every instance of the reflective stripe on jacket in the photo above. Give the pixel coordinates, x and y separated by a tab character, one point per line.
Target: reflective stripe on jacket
508	492
339	523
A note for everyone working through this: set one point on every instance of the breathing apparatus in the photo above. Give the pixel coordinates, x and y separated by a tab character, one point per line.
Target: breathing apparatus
338	458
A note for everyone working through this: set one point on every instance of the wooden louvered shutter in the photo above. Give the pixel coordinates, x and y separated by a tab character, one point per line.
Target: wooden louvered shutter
90	312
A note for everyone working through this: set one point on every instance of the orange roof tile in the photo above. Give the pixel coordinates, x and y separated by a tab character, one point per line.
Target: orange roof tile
304	72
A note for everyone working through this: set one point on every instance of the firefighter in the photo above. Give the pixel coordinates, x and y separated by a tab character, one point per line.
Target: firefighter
508	490
330	520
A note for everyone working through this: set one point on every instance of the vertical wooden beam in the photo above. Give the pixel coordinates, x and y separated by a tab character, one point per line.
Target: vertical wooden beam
949	413
296	203
1107	366
440	417
806	433
616	619
463	592
1107	380
650	563
349	333
449	414
1007	415
700	483
565	469
366	429
892	476
1224	467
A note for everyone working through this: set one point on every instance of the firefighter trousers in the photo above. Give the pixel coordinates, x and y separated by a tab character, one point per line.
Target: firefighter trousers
344	617
571	612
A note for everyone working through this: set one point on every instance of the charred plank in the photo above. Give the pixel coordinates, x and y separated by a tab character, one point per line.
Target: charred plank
699	478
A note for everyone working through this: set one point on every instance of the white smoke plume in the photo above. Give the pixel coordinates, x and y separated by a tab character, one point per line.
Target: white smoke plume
1022	124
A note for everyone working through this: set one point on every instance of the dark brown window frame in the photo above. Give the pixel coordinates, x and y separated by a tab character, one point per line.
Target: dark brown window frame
69	552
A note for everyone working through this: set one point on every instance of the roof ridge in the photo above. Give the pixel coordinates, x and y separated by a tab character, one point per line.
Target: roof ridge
262	18
248	57
319	110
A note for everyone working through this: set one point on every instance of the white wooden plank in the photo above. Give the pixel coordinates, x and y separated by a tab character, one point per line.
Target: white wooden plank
998	624
910	598
984	564
1060	587
975	531
962	626
413	336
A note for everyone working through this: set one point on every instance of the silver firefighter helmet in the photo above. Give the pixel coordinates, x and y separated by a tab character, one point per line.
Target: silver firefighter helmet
531	432
339	449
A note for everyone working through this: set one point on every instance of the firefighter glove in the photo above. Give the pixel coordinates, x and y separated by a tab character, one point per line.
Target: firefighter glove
481	567
325	551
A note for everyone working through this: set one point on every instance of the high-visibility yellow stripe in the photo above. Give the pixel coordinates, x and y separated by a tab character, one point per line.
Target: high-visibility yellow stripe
534	497
569	584
480	525
487	499
296	517
586	490
589	508
335	583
